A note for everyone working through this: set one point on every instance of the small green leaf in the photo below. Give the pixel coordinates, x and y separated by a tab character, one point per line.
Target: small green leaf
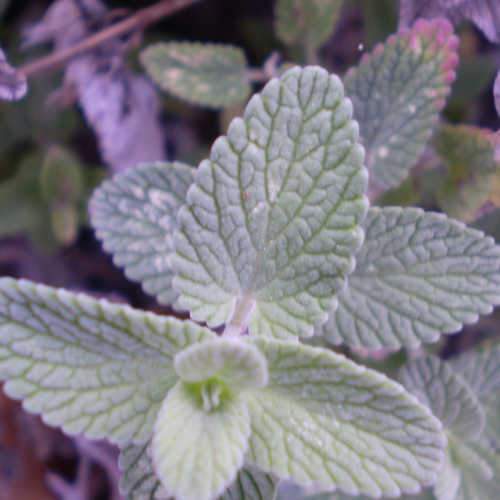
139	482
231	361
197	453
326	421
207	74
451	400
87	365
468	154
481	371
398	91
272	222
134	215
418	275
307	22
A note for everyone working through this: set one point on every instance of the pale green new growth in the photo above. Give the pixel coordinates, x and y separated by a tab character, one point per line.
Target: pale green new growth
197	453
418	275
140	483
272	222
229	361
87	365
398	91
306	22
470	466
326	421
134	215
207	74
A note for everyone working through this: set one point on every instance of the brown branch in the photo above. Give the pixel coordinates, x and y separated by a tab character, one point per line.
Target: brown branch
138	21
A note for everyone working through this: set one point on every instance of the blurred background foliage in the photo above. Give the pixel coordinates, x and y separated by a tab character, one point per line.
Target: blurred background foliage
50	161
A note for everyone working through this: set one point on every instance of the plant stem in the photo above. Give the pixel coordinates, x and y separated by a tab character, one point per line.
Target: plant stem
138	21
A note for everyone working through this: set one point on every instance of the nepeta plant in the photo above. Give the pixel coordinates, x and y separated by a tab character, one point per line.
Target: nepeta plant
269	242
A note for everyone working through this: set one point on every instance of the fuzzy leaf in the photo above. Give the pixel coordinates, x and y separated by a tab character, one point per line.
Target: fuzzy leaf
197	453
134	215
398	91
481	371
139	481
87	365
326	421
229	360
206	74
307	22
451	400
469	155
418	275
272	222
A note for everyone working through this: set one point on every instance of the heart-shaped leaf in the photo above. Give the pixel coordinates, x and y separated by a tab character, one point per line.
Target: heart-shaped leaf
398	91
197	453
418	275
326	421
134	215
206	74
87	365
272	222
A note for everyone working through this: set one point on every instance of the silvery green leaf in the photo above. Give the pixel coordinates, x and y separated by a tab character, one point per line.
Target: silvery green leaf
448	483
306	22
272	222
438	387
481	371
196	452
398	92
207	74
232	361
139	481
324	421
418	275
87	365
134	215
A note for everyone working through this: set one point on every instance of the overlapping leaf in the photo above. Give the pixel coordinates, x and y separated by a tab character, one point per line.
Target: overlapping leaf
307	22
197	453
272	222
325	421
87	365
134	215
451	400
472	169
139	481
418	275
481	371
398	91
206	74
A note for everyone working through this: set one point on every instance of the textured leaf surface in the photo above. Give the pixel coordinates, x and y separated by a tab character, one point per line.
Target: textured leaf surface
87	365
272	221
326	421
451	400
139	481
398	91
417	275
134	215
232	361
481	371
309	22
197	454
207	74
472	169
